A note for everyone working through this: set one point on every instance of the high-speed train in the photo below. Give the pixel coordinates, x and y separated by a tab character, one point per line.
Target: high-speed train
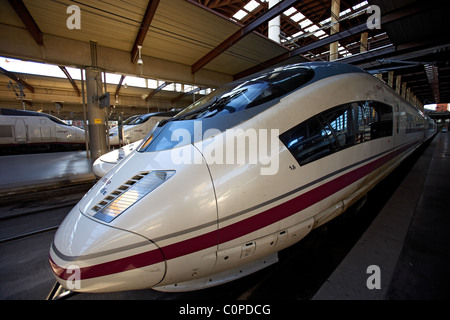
22	130
214	193
138	127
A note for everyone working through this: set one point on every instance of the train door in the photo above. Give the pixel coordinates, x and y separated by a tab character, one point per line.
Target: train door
20	131
46	132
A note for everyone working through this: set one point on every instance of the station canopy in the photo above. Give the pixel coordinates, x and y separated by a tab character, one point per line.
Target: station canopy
191	46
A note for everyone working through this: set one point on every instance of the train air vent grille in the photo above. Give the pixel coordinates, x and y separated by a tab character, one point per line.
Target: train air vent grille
113	195
126	195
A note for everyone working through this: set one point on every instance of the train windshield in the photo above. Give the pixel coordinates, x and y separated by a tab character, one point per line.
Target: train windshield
247	93
129	120
222	109
139	120
55	119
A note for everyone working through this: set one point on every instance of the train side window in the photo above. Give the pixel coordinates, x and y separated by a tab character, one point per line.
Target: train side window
309	141
377	119
6	131
414	123
344	121
338	128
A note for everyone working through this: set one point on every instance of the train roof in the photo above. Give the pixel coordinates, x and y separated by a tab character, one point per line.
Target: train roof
321	69
161	114
12	112
27	113
139	119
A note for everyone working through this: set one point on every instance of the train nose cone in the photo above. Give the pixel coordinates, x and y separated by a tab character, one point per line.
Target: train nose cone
88	256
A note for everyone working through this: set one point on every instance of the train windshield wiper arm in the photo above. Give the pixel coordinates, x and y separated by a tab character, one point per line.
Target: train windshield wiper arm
214	105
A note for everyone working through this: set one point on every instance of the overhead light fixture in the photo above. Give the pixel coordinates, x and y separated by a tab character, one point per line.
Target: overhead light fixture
140	61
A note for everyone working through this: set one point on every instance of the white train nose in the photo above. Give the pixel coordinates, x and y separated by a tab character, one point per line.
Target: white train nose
88	256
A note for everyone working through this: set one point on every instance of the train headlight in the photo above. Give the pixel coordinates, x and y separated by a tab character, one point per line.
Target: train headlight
121	199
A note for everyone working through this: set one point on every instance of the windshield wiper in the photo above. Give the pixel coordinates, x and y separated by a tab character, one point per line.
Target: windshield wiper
216	104
212	105
193	112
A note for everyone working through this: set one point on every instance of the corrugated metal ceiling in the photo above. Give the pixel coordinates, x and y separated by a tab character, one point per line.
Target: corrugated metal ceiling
183	31
180	31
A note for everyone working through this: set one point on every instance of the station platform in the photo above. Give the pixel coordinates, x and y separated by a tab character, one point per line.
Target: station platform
405	252
34	172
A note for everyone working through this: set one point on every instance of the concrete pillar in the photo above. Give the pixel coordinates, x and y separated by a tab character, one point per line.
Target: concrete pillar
363	42
96	116
391	79
274	24
404	90
335	9
398	84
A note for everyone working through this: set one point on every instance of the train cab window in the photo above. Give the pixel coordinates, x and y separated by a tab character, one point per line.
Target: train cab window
54	119
248	93
140	119
309	141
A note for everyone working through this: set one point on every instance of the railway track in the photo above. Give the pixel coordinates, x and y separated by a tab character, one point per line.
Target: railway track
28	222
31	214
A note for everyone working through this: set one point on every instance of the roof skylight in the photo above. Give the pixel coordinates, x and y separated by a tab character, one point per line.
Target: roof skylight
240	14
290	11
297	17
252	5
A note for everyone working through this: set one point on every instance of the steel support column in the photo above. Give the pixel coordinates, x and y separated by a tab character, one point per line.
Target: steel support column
335	9
96	116
274	24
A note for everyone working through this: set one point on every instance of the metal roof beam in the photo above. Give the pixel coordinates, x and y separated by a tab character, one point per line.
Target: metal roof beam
27	19
152	93
241	33
145	25
17	79
181	96
119	86
385	19
74	85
